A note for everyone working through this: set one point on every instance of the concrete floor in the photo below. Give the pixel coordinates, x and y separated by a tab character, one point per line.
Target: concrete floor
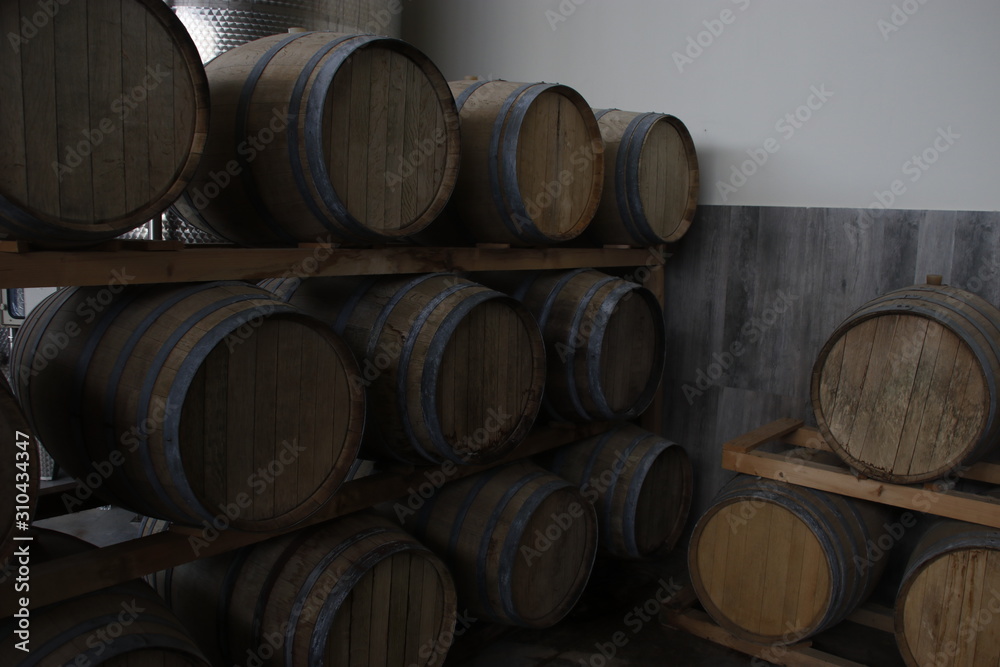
575	642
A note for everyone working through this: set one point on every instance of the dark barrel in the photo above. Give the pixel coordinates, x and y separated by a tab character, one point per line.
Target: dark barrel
604	338
357	590
520	542
456	369
639	483
532	163
651	193
193	401
103	117
322	136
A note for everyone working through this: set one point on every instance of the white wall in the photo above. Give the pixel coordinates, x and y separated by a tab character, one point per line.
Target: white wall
891	91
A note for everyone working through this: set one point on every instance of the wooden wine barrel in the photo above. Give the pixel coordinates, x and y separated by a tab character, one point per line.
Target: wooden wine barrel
948	607
357	590
201	402
532	162
520	542
320	136
103	117
456	369
604	339
774	563
651	194
119	626
640	485
905	389
19	464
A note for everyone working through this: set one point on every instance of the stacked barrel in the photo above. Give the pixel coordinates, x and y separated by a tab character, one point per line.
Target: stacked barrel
188	402
904	392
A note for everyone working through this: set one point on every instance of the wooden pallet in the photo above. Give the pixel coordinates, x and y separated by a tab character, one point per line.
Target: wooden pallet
682	613
743	454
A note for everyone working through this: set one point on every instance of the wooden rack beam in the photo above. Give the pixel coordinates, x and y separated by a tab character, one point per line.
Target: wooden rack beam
102	267
87	572
743	455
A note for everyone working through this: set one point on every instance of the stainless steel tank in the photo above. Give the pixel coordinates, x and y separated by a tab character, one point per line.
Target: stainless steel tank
219	25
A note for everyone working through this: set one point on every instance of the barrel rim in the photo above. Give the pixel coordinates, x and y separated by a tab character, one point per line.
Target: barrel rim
515	535
63	231
511	182
432	368
682	463
630	150
502	167
693	175
595	352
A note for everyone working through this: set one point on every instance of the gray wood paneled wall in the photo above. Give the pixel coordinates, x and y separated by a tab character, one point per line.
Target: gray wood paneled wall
753	293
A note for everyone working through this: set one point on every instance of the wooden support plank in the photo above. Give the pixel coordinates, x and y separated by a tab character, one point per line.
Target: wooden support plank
761	436
699	624
834	479
810	438
68	577
66	268
874	616
14	246
652	419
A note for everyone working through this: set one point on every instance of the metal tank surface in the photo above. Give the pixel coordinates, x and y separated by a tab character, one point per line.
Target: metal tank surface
219	25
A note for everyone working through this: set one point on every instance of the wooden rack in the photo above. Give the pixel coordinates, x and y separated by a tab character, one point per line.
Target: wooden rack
744	455
680	613
59	268
68	577
785	461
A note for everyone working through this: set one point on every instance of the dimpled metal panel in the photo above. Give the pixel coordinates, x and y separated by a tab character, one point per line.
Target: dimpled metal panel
219	25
